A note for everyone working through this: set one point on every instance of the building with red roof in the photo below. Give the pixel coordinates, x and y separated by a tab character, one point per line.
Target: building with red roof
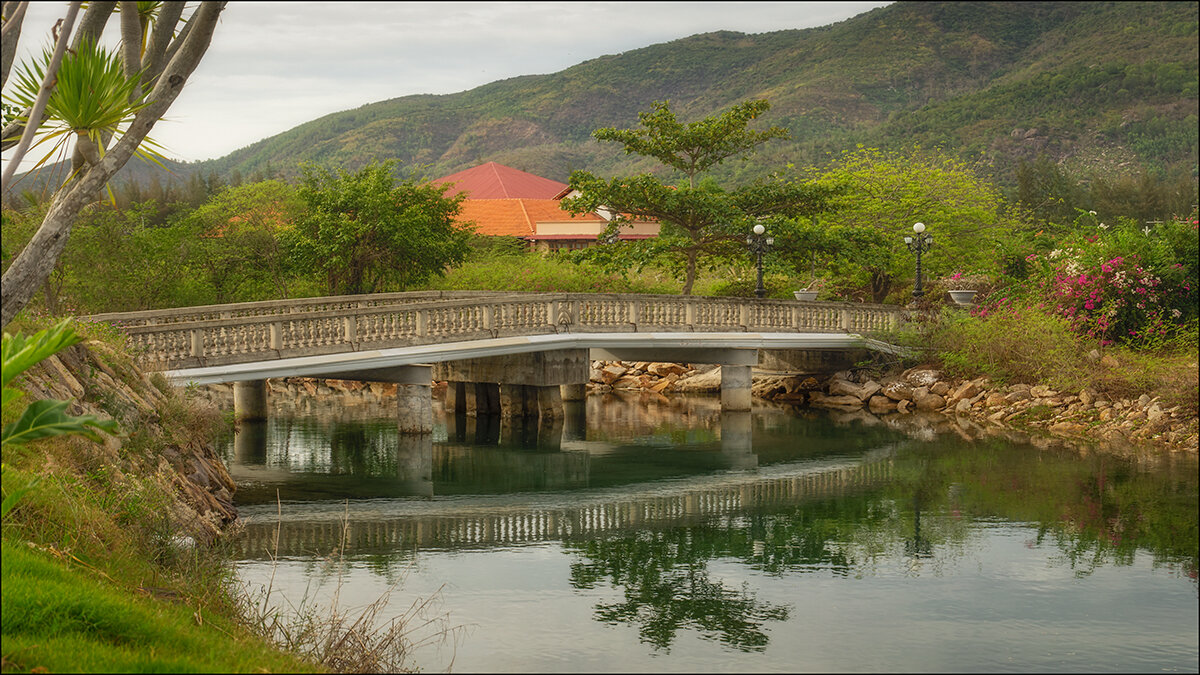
496	181
506	202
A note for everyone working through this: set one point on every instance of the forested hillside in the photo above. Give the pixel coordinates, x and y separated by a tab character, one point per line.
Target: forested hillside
1098	84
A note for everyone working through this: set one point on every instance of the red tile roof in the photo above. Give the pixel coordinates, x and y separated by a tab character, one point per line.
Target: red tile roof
515	217
496	181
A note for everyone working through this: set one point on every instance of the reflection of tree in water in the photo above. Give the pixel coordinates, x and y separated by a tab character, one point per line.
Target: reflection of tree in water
668	588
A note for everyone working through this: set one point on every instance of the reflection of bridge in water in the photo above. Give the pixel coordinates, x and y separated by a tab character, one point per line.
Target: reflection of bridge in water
487	522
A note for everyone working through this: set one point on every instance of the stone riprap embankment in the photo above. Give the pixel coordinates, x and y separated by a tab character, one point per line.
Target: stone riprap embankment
1084	415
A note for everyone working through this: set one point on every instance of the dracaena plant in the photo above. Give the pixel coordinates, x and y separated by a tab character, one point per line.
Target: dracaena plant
91	103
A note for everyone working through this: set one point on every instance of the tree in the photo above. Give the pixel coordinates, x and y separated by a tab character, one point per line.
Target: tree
365	233
888	192
156	59
699	219
237	237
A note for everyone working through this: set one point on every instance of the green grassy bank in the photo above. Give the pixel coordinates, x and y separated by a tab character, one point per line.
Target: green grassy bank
107	565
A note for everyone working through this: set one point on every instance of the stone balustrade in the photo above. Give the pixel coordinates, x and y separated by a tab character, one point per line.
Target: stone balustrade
227	334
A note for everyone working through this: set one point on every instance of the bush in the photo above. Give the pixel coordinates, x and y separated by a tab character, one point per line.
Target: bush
541	273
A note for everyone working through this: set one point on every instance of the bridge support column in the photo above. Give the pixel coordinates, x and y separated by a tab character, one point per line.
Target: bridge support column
250	400
549	402
735	387
574	421
574	392
414	400
455	402
515	402
487	398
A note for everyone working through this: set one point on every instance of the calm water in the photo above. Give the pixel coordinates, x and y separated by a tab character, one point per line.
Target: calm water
643	534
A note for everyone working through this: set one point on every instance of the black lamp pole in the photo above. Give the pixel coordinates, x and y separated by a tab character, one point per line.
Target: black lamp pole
759	245
919	244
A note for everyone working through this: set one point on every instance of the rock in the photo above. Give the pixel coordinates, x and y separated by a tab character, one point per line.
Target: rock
1087	397
665	369
880	404
1018	395
611	373
1067	428
940	388
844	388
994	400
869	389
966	390
1109	362
903	406
898	391
962	407
1041	391
923	378
1154	413
810	383
929	402
700	382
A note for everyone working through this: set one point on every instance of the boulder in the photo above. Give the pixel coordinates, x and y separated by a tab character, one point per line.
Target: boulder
898	391
966	390
869	389
845	388
611	373
881	404
924	377
929	402
940	388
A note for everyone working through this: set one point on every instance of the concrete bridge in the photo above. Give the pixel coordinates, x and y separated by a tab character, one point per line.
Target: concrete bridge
502	353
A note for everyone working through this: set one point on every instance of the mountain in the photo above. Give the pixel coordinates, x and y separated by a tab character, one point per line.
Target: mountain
1095	83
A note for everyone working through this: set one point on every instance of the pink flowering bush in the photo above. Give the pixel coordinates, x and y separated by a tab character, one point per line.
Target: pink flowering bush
1120	283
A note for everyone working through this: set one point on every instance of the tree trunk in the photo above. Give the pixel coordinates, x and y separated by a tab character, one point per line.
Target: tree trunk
690	276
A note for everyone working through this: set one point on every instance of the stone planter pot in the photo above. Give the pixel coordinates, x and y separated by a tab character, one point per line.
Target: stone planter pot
963	298
805	295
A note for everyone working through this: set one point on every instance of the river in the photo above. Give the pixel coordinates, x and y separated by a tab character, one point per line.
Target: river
645	533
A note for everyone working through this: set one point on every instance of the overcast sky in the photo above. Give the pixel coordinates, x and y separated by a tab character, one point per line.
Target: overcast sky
275	65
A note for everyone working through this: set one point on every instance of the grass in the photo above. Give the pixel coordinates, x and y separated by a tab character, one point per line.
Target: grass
94	578
61	616
1037	348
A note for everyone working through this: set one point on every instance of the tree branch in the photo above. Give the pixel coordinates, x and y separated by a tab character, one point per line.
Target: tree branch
39	105
160	38
11	34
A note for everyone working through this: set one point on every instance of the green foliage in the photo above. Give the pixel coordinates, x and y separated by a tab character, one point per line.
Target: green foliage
695	147
235	241
538	273
364	233
699	222
93	99
44	418
1018	344
887	192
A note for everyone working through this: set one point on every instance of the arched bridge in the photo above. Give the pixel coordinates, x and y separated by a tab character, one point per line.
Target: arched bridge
529	340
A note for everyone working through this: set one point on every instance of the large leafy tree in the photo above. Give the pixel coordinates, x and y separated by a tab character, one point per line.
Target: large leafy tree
105	113
236	243
365	232
886	193
700	220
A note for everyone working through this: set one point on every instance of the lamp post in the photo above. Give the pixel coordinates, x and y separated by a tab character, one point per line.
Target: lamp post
759	245
919	244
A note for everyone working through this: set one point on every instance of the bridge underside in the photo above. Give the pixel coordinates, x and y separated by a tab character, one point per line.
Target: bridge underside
531	376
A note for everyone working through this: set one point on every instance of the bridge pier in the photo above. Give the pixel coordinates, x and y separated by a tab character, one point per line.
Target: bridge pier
414	400
735	388
250	400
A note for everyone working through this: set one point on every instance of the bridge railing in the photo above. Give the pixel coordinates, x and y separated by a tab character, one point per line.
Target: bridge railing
262	333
